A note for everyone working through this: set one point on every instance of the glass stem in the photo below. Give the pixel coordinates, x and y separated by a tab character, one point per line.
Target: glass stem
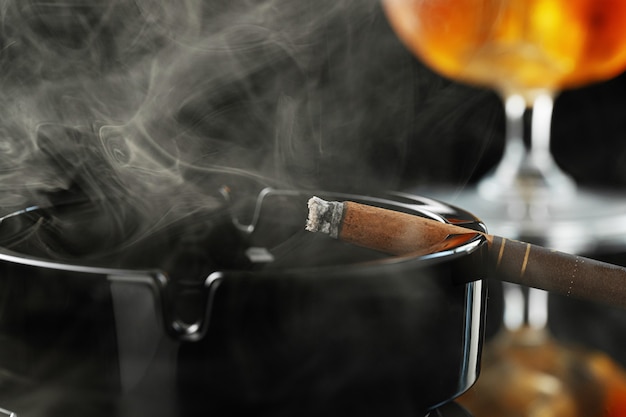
540	156
506	172
527	174
524	306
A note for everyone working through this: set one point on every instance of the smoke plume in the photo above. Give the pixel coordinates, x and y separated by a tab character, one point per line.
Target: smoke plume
148	98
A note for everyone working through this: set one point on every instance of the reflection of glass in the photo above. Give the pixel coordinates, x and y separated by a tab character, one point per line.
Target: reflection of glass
527	51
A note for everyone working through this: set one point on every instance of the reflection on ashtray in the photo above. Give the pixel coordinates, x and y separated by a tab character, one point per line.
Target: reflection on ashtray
7	413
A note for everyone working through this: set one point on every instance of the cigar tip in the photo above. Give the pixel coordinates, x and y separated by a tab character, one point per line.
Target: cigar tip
317	207
324	216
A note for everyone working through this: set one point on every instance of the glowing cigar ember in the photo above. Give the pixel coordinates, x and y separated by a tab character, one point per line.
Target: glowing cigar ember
400	233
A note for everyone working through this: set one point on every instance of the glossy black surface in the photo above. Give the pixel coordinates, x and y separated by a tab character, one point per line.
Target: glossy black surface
326	328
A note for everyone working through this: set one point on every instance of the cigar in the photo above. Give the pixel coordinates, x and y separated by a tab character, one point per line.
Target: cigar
398	233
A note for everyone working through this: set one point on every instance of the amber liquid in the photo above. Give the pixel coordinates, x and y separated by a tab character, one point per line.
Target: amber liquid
515	46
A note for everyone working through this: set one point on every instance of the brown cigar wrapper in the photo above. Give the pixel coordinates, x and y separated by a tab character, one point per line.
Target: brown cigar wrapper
558	272
391	231
522	263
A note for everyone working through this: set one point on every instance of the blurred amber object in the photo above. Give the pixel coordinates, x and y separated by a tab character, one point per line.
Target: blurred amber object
515	45
613	379
526	373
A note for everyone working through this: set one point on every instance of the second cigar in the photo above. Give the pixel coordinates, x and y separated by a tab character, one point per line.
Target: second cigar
522	263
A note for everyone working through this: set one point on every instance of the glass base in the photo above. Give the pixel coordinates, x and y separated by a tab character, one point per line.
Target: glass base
586	221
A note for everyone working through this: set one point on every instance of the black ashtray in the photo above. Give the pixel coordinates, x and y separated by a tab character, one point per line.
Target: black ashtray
233	310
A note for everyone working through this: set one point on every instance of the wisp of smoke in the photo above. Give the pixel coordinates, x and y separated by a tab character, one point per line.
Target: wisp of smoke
133	96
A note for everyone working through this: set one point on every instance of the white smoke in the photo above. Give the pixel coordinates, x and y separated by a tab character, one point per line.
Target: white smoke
135	95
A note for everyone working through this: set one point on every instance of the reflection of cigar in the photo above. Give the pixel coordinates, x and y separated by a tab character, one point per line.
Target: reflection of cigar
399	233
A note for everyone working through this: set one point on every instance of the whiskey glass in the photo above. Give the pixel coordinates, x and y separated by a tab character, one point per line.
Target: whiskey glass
527	51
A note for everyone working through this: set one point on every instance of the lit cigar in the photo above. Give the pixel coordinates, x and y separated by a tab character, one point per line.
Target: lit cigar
522	263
